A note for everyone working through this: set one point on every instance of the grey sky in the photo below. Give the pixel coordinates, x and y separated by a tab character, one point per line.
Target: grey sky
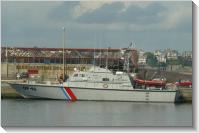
151	25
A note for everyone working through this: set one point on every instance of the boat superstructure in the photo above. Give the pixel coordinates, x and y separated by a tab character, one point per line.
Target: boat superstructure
99	78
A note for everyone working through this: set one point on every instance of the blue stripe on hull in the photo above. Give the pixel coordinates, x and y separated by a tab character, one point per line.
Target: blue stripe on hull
67	97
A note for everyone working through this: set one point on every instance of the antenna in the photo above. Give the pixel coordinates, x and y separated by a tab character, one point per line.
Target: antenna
100	61
94	59
107	59
118	63
134	45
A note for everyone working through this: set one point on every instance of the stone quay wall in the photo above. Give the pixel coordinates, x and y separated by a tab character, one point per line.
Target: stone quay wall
46	71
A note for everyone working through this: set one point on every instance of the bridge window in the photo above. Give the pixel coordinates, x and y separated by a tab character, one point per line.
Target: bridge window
76	75
81	75
105	79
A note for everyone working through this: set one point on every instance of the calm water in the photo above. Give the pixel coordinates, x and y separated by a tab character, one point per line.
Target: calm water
23	112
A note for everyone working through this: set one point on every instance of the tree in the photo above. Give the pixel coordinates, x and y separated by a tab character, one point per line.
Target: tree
162	64
151	59
184	61
173	62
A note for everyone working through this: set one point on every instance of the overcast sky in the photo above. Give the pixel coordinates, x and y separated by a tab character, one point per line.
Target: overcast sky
151	25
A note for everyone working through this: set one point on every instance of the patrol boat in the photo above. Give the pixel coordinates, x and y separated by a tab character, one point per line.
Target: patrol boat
98	84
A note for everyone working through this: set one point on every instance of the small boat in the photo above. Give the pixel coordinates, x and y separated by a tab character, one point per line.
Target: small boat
185	88
184	83
98	84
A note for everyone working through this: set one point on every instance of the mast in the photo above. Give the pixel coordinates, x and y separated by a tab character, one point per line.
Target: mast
100	60
7	60
95	37
94	59
63	53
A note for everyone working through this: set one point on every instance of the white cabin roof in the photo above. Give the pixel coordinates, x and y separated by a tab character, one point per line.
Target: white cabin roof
99	70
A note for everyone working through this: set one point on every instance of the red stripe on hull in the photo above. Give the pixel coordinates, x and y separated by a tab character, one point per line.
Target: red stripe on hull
71	94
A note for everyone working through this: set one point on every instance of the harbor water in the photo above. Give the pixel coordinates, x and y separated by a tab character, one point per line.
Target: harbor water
27	112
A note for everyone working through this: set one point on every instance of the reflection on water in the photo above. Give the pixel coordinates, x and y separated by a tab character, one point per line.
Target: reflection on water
23	112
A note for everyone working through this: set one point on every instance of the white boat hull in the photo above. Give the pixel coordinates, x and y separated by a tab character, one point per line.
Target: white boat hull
73	94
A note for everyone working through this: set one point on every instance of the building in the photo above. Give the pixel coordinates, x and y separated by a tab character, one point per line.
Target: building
187	54
158	53
71	55
161	56
142	58
171	54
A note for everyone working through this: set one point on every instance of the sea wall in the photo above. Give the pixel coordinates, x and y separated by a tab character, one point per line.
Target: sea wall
46	71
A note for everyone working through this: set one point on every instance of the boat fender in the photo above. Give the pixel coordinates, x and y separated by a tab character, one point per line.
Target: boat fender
105	85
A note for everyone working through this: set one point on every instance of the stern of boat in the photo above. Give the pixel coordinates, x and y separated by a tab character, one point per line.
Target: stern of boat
179	97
